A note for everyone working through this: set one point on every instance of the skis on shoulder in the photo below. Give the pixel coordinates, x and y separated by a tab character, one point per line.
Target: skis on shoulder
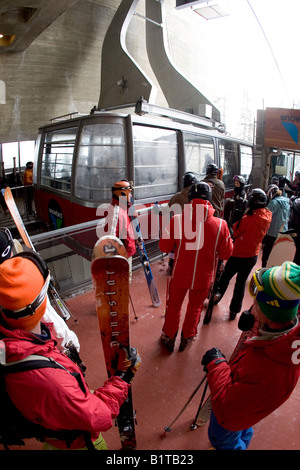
110	274
140	244
14	212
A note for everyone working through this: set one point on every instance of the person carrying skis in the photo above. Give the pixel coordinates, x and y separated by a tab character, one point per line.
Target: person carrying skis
197	238
122	227
181	198
248	234
57	399
218	192
280	207
265	371
10	247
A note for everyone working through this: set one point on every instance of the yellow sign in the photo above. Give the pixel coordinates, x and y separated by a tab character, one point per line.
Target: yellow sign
282	128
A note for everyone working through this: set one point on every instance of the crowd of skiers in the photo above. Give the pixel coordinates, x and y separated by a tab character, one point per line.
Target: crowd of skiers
58	400
263	374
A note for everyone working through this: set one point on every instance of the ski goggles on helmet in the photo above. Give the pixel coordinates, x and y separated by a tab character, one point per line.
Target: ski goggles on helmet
256	290
38	301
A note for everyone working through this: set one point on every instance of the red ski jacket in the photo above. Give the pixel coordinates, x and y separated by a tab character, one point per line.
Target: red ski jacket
260	379
196	237
248	233
52	397
124	230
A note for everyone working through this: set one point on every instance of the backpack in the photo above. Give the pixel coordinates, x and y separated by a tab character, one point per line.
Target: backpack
14	428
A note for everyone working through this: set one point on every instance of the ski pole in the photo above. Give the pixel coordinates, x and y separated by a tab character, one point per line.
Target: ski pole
135	315
194	425
168	428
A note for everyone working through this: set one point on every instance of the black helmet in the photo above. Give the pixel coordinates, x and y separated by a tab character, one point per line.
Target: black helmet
272	191
275	180
240	179
6	244
200	190
294	220
212	169
257	199
188	179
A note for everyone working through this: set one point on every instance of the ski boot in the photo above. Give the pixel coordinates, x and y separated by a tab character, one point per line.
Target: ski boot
168	342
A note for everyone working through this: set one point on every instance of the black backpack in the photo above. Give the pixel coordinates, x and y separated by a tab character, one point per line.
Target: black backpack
14	428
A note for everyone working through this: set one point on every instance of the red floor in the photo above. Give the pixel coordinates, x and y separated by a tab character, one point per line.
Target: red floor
166	380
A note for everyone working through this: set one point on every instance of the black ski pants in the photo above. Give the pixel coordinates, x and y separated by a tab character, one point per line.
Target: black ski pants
268	243
242	268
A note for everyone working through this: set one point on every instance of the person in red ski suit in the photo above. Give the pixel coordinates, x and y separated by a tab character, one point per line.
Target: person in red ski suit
52	397
121	224
248	234
197	238
264	372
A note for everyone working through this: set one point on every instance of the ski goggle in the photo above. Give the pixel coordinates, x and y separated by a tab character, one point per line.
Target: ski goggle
38	301
256	290
256	284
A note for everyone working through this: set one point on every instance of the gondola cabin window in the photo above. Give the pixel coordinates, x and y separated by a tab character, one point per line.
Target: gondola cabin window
101	161
56	169
229	161
199	152
246	162
155	162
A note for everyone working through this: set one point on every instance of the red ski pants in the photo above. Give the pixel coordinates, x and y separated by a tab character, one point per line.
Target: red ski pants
192	316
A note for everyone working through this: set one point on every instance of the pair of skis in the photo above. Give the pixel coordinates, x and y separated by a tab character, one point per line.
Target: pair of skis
140	244
14	212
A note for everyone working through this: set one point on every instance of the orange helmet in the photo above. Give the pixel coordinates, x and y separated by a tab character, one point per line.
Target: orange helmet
121	188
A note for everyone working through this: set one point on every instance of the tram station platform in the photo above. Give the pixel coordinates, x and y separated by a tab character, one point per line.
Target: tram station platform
165	381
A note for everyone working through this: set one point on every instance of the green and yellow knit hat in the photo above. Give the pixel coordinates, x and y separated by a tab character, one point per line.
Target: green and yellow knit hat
277	291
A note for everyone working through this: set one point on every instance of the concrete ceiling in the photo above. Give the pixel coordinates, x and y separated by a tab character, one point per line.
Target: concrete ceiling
22	21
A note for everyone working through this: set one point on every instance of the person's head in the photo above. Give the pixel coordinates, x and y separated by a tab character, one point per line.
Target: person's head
200	190
122	189
24	281
273	191
239	181
212	169
275	180
29	165
297	175
6	244
188	179
277	293
257	199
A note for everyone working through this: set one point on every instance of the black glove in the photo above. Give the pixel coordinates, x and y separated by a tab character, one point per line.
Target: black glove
210	355
246	321
72	353
128	364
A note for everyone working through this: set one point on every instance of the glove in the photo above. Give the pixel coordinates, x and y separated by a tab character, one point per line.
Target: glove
210	355
128	364
246	321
